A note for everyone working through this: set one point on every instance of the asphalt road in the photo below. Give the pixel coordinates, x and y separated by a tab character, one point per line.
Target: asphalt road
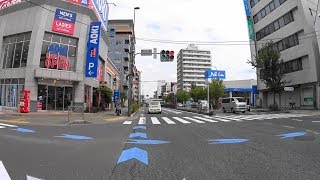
184	148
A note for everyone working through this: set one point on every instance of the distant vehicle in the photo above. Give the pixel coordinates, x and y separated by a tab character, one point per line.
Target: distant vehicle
180	105
154	107
234	104
194	105
202	105
147	104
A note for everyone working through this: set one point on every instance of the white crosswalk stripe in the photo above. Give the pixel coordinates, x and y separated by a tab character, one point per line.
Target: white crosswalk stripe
2	127
142	120
167	120
8	125
223	120
195	120
155	120
3	172
181	120
227	118
204	119
127	122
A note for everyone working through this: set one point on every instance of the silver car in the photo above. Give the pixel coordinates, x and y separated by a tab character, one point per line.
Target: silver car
234	104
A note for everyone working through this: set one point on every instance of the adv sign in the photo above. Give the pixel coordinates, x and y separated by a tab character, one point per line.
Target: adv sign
80	2
101	8
215	74
93	50
7	3
64	22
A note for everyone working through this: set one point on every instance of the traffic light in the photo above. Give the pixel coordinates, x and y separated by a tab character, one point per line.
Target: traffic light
166	55
114	81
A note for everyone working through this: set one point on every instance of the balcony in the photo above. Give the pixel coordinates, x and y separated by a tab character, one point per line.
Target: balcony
196	67
196	62
197	71
195	80
194	75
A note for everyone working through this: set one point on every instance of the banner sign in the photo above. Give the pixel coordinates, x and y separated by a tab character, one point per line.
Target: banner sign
246	6
64	22
215	74
250	29
7	3
101	8
92	62
80	2
57	57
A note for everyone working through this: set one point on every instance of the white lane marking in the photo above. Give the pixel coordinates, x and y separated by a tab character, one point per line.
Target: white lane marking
227	118
167	120
195	120
313	132
3	172
127	122
142	120
297	120
155	120
2	127
316	121
32	178
205	119
288	126
8	125
181	120
223	120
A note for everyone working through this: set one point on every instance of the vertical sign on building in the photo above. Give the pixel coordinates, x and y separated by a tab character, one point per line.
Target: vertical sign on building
246	6
64	22
101	8
92	62
249	21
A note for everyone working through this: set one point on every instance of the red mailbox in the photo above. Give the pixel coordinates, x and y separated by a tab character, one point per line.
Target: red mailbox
24	101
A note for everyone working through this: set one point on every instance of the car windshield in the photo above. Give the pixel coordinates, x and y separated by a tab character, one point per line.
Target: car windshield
154	103
241	100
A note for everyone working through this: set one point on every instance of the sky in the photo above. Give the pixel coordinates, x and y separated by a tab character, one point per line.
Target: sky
188	20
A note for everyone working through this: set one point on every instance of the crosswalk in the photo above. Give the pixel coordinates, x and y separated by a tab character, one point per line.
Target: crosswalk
201	119
3	126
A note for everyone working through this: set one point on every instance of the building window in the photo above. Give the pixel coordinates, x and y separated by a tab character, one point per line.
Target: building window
267	10
274	26
10	91
58	52
286	43
15	50
291	66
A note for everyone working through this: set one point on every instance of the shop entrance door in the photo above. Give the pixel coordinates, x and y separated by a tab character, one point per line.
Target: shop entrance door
57	98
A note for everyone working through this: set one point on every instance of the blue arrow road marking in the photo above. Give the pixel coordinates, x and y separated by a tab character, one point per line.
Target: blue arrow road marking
134	153
138	134
138	141
24	130
290	135
226	141
140	127
70	136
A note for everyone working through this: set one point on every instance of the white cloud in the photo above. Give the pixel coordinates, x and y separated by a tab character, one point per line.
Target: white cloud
188	20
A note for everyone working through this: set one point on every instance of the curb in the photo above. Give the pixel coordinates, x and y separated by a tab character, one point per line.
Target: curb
133	114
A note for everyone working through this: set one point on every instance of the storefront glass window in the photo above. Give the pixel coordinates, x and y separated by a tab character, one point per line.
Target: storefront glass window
15	50
58	52
10	92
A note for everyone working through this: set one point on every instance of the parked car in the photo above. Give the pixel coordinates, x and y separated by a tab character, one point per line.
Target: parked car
202	105
234	104
179	105
194	105
154	107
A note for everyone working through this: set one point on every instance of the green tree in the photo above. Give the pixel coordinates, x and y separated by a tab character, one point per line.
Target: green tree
198	93
106	96
182	96
216	90
170	98
269	64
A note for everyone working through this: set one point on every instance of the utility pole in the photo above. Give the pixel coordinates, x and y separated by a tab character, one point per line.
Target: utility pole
208	97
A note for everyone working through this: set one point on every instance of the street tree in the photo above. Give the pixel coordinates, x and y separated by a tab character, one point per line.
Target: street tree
216	90
106	96
182	96
268	64
198	93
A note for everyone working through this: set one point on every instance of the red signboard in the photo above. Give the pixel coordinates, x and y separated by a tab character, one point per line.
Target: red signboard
7	3
63	27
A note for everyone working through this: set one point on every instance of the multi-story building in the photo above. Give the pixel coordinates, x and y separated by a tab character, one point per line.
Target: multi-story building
174	87
191	66
289	24
136	85
159	87
166	89
43	49
119	36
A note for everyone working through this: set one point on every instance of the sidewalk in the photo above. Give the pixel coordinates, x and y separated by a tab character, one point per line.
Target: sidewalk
60	117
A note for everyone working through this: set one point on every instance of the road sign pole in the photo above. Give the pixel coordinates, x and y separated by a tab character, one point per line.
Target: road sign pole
208	97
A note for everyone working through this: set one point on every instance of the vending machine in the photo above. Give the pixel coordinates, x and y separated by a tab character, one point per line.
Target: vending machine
24	101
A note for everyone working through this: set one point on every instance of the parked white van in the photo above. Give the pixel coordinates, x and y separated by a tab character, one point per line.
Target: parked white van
234	104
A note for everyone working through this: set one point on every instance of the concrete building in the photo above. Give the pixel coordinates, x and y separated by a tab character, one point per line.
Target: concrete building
242	88
136	85
166	89
289	23
159	87
174	87
39	53
191	65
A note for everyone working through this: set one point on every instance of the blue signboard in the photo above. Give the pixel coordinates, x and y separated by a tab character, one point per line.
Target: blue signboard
246	6
65	15
101	8
116	95
215	74
93	50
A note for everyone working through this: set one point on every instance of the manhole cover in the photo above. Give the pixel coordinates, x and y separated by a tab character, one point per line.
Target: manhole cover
305	138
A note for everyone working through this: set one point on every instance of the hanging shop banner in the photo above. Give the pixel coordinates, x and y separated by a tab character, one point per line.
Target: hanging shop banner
57	57
64	22
7	3
80	2
250	29
101	9
92	62
246	6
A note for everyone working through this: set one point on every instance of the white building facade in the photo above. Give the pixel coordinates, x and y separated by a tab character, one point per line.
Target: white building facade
191	66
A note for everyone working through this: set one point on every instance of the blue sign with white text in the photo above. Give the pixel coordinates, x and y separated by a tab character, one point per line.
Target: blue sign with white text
215	74
246	6
116	95
101	8
65	15
93	50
